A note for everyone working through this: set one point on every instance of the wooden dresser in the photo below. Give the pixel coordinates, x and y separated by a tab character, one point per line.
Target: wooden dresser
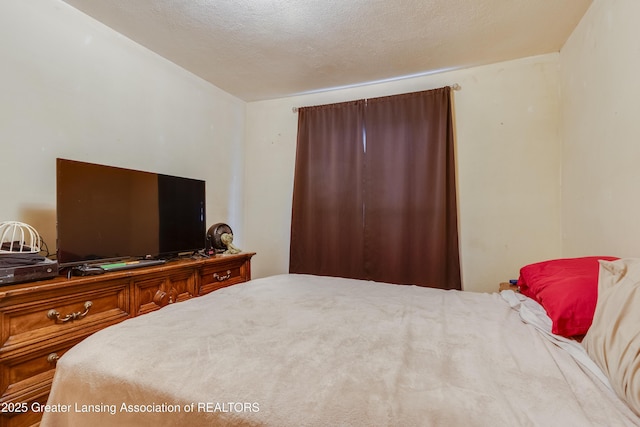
40	321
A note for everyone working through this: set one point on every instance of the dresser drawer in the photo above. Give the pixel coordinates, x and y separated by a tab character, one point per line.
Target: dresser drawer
62	317
156	292
28	377
221	275
25	380
19	414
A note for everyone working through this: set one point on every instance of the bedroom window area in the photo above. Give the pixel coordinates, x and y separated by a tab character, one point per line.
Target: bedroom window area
374	191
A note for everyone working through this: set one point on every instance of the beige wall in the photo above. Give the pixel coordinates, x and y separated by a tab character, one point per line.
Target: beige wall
507	120
600	65
526	129
72	88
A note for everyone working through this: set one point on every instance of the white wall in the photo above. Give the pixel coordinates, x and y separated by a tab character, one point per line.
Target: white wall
600	65
507	121
71	87
76	89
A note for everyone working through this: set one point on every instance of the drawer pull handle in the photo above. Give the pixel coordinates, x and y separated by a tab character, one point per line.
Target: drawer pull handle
55	315
53	358
162	298
222	278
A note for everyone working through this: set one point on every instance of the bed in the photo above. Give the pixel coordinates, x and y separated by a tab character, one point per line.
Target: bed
301	350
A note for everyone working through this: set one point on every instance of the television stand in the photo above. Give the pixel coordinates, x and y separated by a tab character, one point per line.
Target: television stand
40	321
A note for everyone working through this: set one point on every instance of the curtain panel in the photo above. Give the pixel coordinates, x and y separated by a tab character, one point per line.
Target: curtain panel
327	209
375	197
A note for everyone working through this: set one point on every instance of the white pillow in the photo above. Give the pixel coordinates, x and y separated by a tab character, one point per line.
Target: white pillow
613	340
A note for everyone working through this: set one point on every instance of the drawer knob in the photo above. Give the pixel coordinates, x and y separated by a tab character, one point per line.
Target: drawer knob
53	358
55	315
220	278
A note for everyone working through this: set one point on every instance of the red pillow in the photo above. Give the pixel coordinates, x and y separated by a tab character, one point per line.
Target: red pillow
567	289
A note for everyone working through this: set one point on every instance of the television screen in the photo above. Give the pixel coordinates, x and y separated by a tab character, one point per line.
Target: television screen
105	212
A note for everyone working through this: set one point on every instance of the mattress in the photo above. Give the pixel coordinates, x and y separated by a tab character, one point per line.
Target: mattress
301	350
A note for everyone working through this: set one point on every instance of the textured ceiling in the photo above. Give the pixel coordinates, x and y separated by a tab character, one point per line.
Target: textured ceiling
263	49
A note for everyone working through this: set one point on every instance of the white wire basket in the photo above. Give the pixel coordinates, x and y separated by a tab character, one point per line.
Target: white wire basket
18	237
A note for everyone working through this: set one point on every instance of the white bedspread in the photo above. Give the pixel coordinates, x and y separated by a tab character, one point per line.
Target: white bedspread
296	350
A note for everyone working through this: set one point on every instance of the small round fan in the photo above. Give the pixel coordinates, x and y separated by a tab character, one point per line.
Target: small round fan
214	236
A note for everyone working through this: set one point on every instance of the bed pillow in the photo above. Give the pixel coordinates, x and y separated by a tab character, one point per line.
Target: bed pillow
567	288
613	341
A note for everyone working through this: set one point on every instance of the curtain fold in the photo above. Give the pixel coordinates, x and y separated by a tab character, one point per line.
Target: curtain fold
374	191
327	209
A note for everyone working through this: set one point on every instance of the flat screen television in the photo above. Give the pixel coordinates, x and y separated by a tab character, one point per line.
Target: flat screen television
106	213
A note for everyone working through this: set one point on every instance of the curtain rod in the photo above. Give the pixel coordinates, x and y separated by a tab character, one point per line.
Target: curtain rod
454	86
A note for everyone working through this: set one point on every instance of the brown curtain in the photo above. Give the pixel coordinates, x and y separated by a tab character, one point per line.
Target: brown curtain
374	191
326	222
411	231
